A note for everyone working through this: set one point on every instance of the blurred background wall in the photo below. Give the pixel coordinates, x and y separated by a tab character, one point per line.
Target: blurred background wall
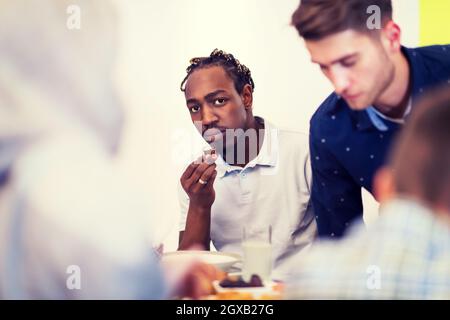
434	22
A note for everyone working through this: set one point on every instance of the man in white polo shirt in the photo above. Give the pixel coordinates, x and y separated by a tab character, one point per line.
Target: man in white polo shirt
259	176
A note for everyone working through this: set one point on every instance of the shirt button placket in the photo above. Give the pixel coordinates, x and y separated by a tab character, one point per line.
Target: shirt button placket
245	186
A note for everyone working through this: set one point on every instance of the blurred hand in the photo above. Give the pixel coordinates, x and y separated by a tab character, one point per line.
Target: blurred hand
198	280
190	278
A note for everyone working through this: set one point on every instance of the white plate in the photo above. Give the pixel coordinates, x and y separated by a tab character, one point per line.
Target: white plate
221	260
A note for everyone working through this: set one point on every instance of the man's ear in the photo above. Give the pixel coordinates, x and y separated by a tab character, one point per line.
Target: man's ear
391	36
247	96
383	185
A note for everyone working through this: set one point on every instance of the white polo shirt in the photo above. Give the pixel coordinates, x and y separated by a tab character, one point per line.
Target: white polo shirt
273	189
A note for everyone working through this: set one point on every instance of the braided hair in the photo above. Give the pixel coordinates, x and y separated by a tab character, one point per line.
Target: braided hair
238	72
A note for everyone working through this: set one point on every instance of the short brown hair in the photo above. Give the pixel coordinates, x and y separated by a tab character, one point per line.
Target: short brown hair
316	19
420	158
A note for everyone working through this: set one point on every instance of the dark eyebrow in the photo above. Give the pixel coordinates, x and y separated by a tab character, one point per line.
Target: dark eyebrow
207	97
192	100
213	94
338	60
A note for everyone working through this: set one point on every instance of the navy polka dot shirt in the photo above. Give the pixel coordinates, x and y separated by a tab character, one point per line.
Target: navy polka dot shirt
348	147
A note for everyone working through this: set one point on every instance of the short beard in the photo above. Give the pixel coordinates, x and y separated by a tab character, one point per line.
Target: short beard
390	75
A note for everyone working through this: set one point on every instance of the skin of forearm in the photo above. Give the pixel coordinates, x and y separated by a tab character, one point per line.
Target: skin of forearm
197	231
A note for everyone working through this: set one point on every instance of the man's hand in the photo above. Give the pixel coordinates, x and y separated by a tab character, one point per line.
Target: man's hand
197	181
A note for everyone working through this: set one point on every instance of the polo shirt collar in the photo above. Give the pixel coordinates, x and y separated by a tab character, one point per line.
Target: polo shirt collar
267	156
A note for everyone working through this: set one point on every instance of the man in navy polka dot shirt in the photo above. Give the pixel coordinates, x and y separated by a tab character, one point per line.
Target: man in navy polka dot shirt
377	82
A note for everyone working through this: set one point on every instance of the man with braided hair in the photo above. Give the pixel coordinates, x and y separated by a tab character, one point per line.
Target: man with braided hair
253	179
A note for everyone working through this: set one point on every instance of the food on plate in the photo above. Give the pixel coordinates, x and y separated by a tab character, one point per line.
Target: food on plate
239	282
235	288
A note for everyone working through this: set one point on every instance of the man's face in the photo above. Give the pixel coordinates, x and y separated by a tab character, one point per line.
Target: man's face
213	102
357	65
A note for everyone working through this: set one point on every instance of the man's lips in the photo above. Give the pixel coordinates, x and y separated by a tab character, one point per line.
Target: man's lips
351	96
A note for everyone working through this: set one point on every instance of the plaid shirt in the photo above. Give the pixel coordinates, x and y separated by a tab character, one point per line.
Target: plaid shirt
405	254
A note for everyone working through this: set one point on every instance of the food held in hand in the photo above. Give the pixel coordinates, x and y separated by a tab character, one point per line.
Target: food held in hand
209	151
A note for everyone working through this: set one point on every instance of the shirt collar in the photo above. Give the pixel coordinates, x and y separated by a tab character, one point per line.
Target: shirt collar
399	121
267	156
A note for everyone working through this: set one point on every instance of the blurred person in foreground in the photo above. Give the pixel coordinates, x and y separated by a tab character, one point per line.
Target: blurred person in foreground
405	254
71	225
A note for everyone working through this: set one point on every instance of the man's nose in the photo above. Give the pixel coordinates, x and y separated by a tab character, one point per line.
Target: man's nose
340	80
208	116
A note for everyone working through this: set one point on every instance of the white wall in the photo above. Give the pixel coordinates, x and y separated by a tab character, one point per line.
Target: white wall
157	40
